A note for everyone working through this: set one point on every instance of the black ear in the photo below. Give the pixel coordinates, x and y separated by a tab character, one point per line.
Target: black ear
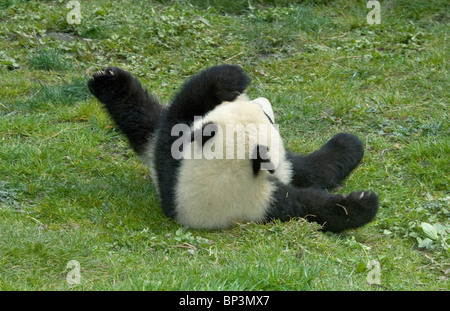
207	132
259	156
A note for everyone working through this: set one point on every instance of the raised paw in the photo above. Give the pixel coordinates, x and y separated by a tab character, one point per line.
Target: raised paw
337	158
109	82
229	81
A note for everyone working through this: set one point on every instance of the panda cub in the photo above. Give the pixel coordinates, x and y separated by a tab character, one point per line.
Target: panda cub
216	157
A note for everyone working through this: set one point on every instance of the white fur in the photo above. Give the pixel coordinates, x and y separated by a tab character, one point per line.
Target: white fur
266	106
214	193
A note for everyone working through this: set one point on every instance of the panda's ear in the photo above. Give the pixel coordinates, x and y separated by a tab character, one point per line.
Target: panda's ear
207	132
261	160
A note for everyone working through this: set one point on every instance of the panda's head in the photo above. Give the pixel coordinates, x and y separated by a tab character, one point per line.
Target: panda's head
240	130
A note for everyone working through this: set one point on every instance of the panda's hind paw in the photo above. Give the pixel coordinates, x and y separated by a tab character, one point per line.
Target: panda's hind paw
362	207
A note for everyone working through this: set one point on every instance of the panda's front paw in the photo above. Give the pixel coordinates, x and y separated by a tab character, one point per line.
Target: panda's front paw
109	82
229	81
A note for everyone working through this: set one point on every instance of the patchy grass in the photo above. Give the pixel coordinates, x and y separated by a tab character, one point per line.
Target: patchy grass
71	189
48	60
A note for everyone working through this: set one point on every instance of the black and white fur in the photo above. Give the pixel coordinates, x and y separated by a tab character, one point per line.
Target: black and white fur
215	193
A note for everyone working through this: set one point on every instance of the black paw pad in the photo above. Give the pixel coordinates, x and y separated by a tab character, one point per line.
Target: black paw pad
108	82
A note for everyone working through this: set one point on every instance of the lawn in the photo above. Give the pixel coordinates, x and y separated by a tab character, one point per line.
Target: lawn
78	210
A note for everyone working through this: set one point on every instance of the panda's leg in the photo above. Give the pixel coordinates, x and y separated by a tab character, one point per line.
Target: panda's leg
334	212
131	107
327	167
207	89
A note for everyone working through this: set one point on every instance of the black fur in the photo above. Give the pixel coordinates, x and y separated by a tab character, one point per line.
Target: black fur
138	114
334	212
134	111
327	167
204	91
260	156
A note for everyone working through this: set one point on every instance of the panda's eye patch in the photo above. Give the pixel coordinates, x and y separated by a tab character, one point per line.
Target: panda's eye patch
261	160
207	132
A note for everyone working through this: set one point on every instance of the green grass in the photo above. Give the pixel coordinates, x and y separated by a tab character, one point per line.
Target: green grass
71	188
48	60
